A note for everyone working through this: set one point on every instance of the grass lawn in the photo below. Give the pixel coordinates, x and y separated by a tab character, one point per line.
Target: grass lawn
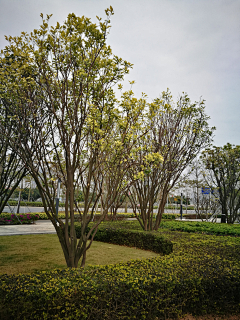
30	253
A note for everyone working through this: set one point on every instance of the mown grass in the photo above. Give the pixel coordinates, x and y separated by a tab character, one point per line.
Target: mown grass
31	253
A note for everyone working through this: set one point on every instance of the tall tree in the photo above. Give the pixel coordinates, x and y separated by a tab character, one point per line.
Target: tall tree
129	130
65	106
223	166
178	132
12	168
203	192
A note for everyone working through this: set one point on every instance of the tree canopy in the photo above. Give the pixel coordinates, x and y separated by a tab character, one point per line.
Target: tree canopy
177	133
223	165
57	82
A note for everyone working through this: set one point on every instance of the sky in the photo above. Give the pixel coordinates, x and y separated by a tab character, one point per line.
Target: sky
184	45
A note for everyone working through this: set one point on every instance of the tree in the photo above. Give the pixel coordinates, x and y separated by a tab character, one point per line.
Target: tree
66	109
223	166
178	132
204	194
12	169
27	194
125	138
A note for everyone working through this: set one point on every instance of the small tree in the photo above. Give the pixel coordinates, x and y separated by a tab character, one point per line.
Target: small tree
178	132
223	166
204	194
65	111
12	168
126	137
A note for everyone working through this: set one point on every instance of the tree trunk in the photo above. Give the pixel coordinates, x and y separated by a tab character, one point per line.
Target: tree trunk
126	204
19	200
224	217
83	259
160	211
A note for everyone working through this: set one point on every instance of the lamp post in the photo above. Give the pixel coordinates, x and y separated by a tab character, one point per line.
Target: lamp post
181	207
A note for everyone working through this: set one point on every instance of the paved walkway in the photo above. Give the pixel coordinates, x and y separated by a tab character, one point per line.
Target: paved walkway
218	220
43	226
39	227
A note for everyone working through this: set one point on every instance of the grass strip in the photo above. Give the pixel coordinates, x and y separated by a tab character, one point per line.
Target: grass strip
32	253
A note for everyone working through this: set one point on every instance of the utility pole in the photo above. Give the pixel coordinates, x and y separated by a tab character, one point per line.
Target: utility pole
181	207
58	196
19	197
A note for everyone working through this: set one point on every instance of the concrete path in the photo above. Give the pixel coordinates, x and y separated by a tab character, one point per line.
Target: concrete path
218	220
44	226
39	227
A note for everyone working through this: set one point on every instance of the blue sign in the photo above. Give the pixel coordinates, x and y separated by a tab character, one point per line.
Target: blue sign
206	190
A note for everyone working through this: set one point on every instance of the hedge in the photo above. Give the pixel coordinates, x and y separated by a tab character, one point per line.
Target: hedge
61	215
30	204
202	227
24	218
132	238
149	289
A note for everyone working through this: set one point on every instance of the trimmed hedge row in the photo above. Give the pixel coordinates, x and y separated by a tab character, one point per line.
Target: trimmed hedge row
131	238
30	204
61	215
170	216
149	289
202	227
120	216
199	216
24	218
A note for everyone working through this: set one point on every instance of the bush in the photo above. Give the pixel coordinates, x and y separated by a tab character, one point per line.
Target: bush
199	216
202	227
150	289
61	215
30	204
108	217
43	215
24	218
170	216
111	233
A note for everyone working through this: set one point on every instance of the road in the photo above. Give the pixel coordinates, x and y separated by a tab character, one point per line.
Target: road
41	209
24	209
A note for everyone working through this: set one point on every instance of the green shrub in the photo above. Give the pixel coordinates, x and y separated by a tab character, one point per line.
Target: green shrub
170	216
24	218
61	215
43	215
30	204
111	233
202	227
153	288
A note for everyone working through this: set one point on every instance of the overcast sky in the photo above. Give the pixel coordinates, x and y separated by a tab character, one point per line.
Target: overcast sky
183	45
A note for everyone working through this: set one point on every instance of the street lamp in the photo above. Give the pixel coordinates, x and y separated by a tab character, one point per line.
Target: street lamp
181	206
